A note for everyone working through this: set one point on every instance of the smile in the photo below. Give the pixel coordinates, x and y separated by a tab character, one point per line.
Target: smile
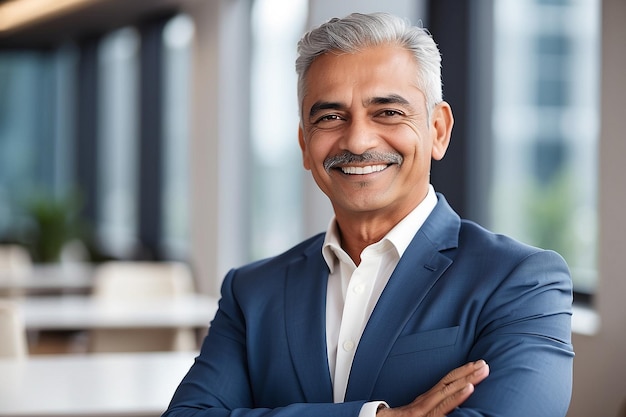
352	164
351	170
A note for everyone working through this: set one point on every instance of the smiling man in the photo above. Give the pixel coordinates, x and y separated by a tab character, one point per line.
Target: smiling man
400	307
368	137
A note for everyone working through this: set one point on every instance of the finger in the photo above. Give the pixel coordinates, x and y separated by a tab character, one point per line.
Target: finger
451	401
440	400
471	369
481	372
451	391
454	388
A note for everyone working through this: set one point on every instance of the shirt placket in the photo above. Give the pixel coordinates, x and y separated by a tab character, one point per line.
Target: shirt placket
353	320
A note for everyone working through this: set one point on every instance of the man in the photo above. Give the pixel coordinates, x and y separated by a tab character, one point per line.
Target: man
400	308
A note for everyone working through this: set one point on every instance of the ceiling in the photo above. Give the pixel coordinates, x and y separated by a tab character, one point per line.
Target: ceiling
83	20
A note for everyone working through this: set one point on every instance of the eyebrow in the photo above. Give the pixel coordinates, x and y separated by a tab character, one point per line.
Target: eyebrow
390	99
325	105
382	100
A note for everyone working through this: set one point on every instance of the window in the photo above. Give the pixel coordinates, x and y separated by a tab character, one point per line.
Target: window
36	147
74	119
118	69
553	55
177	41
143	140
545	128
276	217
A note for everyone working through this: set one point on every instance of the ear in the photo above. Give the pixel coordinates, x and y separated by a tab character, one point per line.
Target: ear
441	125
303	148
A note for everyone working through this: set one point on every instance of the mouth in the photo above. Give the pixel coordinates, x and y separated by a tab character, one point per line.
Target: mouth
363	170
367	163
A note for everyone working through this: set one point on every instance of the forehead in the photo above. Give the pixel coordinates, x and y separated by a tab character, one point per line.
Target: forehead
373	71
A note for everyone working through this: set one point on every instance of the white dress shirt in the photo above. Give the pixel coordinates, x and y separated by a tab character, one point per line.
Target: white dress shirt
354	291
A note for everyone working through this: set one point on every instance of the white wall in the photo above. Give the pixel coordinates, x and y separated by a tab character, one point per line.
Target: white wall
600	362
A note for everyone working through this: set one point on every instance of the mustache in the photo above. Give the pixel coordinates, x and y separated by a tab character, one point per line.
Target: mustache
347	157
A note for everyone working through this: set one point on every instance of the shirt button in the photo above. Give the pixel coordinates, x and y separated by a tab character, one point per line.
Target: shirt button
348	345
358	289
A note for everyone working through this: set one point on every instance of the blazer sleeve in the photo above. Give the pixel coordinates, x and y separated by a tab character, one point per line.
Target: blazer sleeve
525	335
218	384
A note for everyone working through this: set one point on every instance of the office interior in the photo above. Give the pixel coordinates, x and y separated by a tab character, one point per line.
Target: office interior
166	131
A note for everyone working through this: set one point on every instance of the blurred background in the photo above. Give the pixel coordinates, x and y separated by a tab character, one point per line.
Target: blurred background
166	130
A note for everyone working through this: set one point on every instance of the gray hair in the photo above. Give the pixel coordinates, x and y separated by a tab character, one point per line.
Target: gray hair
358	31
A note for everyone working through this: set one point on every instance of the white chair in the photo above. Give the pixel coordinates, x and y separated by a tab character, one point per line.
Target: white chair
133	280
13	341
15	263
14	258
137	282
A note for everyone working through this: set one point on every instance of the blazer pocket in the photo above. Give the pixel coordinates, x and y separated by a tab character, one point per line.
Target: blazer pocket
432	339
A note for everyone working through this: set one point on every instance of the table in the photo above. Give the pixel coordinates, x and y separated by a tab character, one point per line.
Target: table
76	312
103	385
51	278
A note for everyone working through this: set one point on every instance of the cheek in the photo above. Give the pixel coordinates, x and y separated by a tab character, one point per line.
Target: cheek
409	141
316	159
309	158
317	148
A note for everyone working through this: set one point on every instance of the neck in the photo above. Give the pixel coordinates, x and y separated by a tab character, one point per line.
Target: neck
358	230
357	234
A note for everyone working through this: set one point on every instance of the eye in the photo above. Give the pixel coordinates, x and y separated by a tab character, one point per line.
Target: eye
389	116
328	118
329	121
390	113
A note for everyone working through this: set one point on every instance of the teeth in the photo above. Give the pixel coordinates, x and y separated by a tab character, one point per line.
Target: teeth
363	170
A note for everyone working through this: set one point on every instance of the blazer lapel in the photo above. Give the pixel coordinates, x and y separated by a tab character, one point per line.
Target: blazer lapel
418	270
305	318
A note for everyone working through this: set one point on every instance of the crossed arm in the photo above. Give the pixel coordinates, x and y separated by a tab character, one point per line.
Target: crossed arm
450	392
527	348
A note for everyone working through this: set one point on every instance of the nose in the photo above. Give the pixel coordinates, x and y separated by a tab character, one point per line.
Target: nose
359	136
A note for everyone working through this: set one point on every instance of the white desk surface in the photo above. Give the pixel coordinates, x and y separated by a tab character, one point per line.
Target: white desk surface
103	385
46	278
76	312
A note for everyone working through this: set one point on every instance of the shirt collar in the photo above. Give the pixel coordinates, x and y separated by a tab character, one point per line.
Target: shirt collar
400	236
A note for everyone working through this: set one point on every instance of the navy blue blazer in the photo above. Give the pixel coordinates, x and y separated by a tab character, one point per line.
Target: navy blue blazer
458	294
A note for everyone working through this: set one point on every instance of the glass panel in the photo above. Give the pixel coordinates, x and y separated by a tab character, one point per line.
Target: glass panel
177	39
20	82
545	127
118	69
277	164
35	140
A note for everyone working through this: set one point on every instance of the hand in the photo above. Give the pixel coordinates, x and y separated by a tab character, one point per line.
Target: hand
449	393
